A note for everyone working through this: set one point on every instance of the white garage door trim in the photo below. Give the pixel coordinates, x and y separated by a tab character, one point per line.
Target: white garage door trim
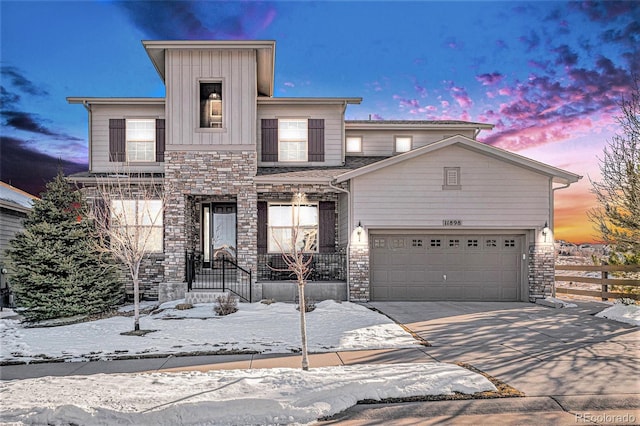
422	265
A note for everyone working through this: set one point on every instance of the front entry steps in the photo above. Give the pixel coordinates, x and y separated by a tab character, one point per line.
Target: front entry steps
194	296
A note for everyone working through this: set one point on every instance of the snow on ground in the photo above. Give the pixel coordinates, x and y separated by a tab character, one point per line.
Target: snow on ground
247	397
258	327
629	314
562	303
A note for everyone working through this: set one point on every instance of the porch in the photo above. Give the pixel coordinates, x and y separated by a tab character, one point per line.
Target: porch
327	279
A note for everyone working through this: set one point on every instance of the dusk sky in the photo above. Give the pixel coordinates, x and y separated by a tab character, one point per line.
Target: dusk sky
549	75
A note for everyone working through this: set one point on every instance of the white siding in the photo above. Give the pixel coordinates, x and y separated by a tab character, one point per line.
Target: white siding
236	69
343	219
409	194
10	225
382	142
100	115
333	129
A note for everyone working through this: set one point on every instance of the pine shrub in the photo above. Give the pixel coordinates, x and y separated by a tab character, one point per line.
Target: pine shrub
56	270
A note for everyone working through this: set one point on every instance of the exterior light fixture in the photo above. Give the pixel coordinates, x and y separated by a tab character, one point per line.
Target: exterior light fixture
546	229
359	231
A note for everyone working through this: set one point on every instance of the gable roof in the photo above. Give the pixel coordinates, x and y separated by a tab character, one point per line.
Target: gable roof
15	199
558	175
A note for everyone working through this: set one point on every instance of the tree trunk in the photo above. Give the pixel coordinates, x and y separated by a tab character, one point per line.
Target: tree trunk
136	303
303	325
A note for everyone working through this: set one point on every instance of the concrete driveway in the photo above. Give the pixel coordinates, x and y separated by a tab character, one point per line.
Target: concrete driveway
541	351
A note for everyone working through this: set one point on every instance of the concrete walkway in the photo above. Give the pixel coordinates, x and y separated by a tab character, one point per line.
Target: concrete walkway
574	368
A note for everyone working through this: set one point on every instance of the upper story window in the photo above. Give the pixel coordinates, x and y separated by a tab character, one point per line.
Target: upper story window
451	178
402	144
292	140
354	144
211	105
136	140
141	140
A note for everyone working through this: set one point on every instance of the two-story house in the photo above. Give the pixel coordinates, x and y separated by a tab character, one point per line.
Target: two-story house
400	210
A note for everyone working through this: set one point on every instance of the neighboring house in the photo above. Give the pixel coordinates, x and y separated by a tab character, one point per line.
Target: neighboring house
404	210
14	206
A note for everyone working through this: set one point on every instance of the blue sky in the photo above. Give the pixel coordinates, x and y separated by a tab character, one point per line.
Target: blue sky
547	74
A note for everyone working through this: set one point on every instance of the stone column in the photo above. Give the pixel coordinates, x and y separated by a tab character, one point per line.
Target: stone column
359	286
541	271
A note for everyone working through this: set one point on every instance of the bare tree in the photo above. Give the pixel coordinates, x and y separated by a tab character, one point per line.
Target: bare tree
617	218
297	253
128	211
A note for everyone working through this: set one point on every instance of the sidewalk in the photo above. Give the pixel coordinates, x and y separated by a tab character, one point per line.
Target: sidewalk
212	362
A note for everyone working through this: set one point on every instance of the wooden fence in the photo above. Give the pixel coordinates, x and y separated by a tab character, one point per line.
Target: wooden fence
605	281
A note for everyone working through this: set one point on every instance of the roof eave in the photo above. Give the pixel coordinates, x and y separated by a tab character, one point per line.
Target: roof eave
316	101
115	101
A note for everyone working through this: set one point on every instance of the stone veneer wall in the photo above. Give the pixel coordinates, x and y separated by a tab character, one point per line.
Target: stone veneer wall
541	271
190	176
359	288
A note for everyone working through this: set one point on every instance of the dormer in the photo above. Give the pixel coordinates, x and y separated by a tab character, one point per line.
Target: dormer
211	91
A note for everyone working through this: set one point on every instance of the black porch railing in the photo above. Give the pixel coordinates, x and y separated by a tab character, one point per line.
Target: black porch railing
324	267
222	274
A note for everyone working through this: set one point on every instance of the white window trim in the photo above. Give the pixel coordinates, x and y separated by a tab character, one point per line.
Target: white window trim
395	143
270	239
128	142
447	184
306	139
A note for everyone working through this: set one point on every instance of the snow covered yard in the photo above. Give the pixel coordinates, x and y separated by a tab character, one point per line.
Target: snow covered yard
236	397
629	314
256	327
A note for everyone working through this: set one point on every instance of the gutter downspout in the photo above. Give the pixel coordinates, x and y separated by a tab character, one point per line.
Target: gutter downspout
349	221
87	106
551	219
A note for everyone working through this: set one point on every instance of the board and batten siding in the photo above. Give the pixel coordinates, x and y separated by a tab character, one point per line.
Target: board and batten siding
236	70
494	194
333	130
382	142
100	116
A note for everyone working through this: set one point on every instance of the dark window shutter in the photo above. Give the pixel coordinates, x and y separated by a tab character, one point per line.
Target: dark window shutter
269	139
327	225
262	227
160	140
316	139
117	139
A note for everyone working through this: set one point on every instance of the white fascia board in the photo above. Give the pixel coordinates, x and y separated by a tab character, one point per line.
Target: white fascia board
558	175
308	101
408	125
116	101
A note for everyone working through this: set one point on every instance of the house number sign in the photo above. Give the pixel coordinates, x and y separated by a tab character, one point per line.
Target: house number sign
452	222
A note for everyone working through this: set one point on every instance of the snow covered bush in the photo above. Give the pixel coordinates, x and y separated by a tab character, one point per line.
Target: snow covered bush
225	305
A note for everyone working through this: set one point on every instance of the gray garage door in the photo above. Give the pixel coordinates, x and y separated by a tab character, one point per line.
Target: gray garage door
446	267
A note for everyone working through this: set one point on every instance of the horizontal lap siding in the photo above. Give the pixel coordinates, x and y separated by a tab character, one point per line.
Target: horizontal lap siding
382	142
410	193
236	69
333	134
100	116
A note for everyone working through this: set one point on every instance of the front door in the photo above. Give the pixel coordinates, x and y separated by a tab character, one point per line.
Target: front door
218	232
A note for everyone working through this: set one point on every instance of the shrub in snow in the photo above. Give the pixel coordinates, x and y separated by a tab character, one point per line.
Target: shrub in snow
56	272
268	301
309	305
625	301
183	306
225	305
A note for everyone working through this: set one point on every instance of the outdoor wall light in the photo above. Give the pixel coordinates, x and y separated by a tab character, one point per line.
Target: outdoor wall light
546	229
359	231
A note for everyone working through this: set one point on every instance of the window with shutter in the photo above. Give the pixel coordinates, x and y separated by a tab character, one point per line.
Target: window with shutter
316	139
117	139
269	140
160	140
327	227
